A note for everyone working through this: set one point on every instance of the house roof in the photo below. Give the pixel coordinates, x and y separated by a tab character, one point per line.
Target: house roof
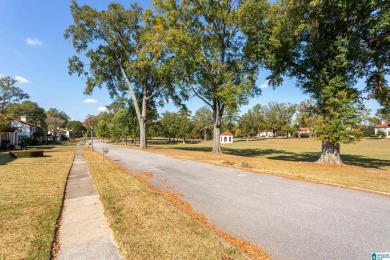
20	121
11	130
227	133
384	125
304	129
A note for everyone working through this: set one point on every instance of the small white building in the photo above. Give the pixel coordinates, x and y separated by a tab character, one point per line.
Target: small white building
304	131
226	138
267	133
384	127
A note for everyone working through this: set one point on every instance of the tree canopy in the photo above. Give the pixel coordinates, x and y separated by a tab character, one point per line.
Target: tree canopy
34	113
123	57
207	38
9	93
327	46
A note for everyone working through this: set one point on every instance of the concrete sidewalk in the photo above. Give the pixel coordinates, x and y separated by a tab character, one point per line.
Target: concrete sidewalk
84	232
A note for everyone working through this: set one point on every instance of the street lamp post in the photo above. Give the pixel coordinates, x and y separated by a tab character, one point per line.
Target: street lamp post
91	138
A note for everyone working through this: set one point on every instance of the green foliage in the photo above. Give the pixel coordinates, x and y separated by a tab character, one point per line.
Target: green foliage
202	123
4	123
9	93
382	134
26	153
76	127
307	114
384	114
212	62
274	116
124	125
124	56
54	112
34	113
328	46
170	124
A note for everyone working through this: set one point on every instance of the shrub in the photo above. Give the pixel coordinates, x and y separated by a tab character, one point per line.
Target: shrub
27	153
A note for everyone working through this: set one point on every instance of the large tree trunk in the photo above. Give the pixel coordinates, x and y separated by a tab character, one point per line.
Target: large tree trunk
142	124
216	138
205	134
217	130
330	153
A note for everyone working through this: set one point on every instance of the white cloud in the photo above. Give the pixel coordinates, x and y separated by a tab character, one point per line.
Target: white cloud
20	79
265	84
90	101
33	42
102	109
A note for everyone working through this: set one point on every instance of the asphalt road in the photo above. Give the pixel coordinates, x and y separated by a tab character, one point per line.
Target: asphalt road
288	219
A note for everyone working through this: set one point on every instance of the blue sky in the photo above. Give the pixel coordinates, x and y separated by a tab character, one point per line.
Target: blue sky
34	51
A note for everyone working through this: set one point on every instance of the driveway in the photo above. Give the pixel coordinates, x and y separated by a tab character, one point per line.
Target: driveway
288	219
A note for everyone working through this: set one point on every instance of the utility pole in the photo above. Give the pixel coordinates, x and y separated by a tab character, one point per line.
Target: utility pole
91	138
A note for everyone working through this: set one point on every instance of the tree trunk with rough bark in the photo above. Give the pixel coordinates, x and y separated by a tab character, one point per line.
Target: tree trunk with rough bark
216	138
217	129
142	123
330	153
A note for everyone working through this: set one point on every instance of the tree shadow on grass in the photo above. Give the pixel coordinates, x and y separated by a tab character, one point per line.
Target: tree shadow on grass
296	157
282	155
356	160
5	158
194	149
252	152
366	162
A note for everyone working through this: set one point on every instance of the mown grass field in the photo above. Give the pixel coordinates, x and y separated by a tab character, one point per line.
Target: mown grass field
31	192
367	162
148	224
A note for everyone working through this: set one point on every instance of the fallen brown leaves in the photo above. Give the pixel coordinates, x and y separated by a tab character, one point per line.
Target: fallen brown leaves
249	249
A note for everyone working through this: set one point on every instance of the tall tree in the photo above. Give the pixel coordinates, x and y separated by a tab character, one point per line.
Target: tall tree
278	116
203	122
252	122
55	120
184	124
206	36
34	113
327	45
384	114
59	114
123	57
307	114
9	93
230	119
76	127
170	124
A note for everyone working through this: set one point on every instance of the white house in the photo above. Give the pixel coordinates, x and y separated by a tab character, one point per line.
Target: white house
265	134
226	138
19	129
385	127
304	131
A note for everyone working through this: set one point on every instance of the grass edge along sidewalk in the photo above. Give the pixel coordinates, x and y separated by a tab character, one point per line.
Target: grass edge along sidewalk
149	223
31	195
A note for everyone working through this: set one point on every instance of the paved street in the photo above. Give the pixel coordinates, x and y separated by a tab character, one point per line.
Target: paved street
288	219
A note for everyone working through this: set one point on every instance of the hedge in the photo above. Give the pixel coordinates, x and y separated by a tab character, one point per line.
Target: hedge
27	153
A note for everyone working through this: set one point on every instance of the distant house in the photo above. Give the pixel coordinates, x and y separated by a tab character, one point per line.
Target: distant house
268	133
226	138
18	129
384	127
304	131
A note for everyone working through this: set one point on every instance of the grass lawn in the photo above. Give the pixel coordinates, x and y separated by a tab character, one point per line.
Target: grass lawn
368	161
148	224
31	192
